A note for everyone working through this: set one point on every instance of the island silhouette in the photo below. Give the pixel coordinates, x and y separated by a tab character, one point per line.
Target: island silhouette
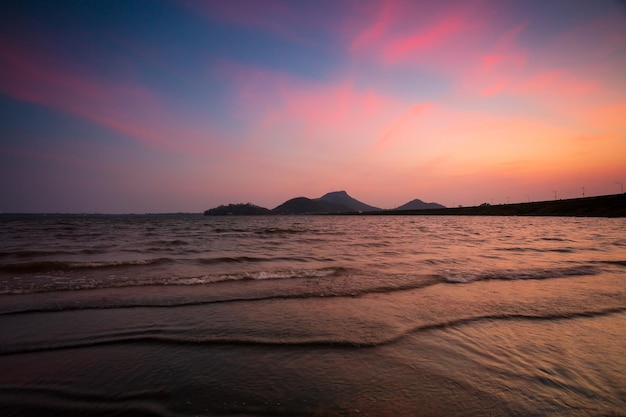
340	202
330	203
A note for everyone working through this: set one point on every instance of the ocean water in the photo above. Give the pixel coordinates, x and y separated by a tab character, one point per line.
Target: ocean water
186	315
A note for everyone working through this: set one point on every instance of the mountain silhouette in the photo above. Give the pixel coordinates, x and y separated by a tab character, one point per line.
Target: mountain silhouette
418	204
341	198
303	205
600	206
330	203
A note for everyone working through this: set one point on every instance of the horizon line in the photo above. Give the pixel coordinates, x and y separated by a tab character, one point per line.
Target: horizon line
58	213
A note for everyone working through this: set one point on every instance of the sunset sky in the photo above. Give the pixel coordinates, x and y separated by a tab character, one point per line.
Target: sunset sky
168	106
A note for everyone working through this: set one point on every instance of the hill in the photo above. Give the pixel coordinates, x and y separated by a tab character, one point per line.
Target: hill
341	198
237	210
303	205
418	204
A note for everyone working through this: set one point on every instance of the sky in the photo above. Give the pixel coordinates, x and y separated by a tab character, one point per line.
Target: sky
179	106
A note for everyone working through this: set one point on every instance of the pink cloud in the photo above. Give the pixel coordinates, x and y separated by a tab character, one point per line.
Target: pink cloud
496	60
382	22
405	47
556	81
317	116
495	87
430	34
28	73
510	69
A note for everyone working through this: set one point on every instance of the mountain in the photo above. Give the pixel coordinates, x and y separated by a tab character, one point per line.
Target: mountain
330	203
418	204
341	198
303	205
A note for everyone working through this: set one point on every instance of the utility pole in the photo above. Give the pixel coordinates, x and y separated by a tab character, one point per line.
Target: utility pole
583	191
621	185
554	194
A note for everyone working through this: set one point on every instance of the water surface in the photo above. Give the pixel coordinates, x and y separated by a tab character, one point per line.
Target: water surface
312	315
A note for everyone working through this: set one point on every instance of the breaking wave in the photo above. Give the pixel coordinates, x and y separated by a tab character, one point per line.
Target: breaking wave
298	284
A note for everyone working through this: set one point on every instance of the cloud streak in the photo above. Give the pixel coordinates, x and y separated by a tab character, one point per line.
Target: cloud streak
29	73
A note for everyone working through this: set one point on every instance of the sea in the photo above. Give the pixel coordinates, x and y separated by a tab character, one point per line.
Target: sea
187	315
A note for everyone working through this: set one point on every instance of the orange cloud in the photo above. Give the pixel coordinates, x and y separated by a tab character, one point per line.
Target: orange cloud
610	116
556	81
468	142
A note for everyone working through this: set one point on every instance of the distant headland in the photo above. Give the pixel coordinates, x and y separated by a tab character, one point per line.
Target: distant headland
340	202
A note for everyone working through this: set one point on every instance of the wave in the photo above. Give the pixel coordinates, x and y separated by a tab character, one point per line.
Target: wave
85	395
352	285
311	292
554	239
459	277
539	250
246	259
52	266
41	253
230	229
614	262
257	275
155	336
93	283
32	254
168	243
280	231
41	400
